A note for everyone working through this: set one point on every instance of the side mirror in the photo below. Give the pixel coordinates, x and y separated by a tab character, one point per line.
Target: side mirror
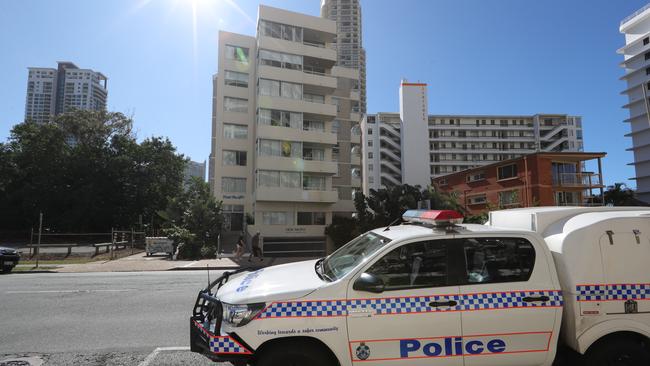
369	283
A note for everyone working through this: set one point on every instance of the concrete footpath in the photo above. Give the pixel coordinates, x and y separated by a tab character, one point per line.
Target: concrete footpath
140	263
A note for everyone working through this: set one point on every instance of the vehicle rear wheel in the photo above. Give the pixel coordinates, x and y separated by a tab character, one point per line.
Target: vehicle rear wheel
295	354
624	351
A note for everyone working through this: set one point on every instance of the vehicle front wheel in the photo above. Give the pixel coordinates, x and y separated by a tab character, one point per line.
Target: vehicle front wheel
624	351
7	269
295	354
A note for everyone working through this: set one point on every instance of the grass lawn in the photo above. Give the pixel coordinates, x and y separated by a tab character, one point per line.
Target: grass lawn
46	262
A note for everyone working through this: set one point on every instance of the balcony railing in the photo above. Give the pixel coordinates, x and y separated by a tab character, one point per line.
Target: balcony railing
577	180
631	16
314	70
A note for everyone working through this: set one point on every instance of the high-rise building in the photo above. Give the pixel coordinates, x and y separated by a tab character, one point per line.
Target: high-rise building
636	54
413	146
194	169
54	91
349	38
284	132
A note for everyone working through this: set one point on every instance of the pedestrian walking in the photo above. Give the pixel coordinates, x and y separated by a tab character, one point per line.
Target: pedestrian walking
239	248
256	251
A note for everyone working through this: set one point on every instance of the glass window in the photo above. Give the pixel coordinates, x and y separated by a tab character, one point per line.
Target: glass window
270	87
313	182
237	53
508	171
231	157
494	260
279	59
233	185
236	78
270	178
235	104
280	148
508	198
414	265
311	218
277	218
291	90
238	132
346	258
313	153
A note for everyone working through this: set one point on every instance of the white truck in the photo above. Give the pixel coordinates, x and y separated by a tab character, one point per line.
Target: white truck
435	292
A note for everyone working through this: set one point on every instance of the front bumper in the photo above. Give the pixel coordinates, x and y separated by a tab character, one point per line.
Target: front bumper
5	259
205	328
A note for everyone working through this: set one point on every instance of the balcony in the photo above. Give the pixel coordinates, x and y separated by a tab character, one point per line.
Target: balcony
311	49
578	180
297	164
319	81
295	195
297	105
293	134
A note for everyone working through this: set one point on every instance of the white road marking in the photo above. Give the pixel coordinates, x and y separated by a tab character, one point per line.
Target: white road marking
152	356
190	264
63	291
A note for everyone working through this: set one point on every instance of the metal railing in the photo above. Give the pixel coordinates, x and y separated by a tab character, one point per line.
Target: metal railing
631	16
577	180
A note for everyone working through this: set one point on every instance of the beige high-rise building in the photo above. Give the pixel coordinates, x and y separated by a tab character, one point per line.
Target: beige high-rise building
349	38
284	135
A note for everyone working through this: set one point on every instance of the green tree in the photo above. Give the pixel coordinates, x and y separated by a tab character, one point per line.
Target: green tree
86	172
620	195
194	220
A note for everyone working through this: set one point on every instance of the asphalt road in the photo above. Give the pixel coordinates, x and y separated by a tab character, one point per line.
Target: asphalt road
99	318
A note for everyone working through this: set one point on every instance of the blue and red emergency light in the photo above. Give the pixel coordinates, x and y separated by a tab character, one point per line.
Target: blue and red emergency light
433	217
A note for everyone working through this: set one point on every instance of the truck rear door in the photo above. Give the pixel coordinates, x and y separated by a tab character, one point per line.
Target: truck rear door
511	307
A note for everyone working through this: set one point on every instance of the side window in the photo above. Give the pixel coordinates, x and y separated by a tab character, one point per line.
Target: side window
414	265
494	260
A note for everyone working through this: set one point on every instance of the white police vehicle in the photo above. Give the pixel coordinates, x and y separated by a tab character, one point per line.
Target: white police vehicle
434	292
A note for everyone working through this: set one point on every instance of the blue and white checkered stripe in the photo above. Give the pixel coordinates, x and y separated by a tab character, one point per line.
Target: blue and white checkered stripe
226	345
506	300
605	292
317	308
409	305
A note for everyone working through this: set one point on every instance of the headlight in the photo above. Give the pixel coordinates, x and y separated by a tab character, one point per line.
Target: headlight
240	315
8	251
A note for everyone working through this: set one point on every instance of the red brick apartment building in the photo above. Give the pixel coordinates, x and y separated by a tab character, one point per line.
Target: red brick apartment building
539	179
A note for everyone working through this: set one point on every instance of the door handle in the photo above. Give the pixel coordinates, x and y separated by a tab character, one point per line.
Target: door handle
436	304
536	299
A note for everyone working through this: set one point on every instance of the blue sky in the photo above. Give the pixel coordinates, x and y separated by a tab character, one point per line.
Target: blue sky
478	57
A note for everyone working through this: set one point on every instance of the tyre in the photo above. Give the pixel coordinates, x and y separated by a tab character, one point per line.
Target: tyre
623	351
7	269
295	354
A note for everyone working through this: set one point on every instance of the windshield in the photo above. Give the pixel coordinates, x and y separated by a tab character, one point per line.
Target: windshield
341	262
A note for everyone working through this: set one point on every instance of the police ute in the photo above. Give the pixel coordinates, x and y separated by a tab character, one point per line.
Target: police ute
434	291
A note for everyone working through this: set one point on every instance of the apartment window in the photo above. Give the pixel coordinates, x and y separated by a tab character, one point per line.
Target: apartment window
233	185
335	126
311	218
239	79
314	98
369	143
313	153
280	31
646	40
232	157
508	198
647	70
277	179
277	218
284	149
237	132
282	89
370	155
370	131
313	126
279	59
235	104
313	182
272	117
507	172
237	53
475	176
479	199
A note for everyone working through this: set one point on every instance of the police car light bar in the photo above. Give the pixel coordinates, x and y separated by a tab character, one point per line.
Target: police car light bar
433	217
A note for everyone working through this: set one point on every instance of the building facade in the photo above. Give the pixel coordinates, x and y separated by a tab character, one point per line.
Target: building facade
636	54
194	169
436	145
349	39
284	131
54	91
538	179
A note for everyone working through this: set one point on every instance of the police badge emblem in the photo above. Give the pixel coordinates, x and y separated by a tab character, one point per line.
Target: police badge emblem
363	351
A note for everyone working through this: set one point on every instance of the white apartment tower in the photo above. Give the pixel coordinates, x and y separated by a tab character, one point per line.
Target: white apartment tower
636	53
413	146
54	91
349	38
284	132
